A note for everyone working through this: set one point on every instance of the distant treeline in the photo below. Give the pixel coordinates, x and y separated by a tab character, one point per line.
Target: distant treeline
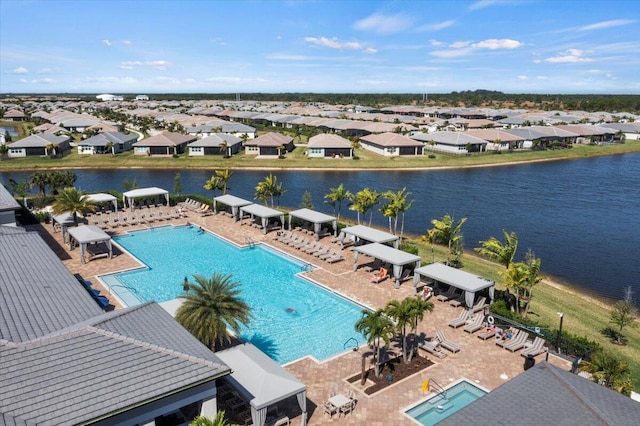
469	99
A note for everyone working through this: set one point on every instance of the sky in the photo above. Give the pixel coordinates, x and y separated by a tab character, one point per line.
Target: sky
146	46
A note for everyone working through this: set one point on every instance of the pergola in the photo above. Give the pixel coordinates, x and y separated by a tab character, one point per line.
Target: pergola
104	198
316	218
261	381
89	234
397	258
361	232
63	220
264	213
129	196
234	202
470	283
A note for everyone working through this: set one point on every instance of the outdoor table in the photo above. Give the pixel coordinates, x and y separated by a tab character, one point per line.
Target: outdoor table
339	401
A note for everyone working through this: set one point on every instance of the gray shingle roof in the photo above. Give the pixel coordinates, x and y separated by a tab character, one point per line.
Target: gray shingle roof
39	140
102	139
7	202
546	395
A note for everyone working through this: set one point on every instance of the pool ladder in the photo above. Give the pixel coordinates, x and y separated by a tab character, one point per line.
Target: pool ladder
355	343
249	241
307	267
441	391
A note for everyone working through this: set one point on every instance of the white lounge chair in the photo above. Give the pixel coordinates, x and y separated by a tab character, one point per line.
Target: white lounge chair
536	348
446	296
475	324
518	343
461	320
433	347
446	343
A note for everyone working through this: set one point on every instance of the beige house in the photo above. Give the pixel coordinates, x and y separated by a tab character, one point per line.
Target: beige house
392	145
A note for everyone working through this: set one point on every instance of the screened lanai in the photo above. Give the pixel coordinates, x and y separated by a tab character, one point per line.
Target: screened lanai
314	217
393	256
470	283
361	232
264	213
90	234
262	381
234	202
129	197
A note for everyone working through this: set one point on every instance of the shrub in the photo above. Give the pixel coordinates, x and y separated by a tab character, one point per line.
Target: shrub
432	156
355	157
409	248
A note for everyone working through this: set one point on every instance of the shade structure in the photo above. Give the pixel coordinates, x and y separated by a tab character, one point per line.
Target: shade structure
129	196
397	258
261	381
463	280
104	198
89	234
316	218
234	202
63	220
362	232
264	213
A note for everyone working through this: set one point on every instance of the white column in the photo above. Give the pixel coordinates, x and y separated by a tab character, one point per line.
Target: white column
209	408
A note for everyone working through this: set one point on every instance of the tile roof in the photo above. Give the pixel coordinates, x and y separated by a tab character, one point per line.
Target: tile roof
102	139
328	140
39	140
390	139
166	139
216	139
271	139
7	202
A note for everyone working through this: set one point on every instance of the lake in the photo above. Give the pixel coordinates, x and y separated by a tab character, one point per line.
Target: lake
579	216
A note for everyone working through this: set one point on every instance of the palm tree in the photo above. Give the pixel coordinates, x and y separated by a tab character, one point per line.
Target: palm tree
269	188
397	205
73	201
110	146
218	420
223	146
40	180
502	253
211	307
337	196
417	309
446	232
400	312
375	326
522	277
61	179
51	148
212	184
224	175
365	201
609	371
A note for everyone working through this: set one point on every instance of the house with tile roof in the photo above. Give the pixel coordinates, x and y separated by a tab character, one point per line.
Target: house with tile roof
216	144
329	145
271	144
99	143
36	145
164	144
65	361
391	145
451	142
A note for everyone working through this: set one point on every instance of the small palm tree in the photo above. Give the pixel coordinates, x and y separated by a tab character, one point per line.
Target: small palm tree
40	180
375	326
609	371
73	201
211	307
336	196
223	146
498	251
224	175
212	184
218	420
400	312
449	233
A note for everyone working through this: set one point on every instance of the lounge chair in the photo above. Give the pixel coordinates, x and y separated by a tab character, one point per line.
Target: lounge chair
329	255
311	248
487	333
347	242
339	238
380	276
303	242
433	347
334	259
295	240
517	343
446	343
480	304
446	296
322	252
502	342
102	301
475	324
536	348
461	320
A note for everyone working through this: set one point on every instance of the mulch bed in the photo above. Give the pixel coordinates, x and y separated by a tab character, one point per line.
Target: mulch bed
398	370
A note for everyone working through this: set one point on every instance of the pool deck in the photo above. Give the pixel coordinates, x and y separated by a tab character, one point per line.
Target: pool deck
480	362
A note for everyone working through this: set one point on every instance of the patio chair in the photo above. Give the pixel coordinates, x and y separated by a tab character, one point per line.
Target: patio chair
329	409
381	275
475	324
446	296
312	248
322	252
480	304
446	343
295	240
303	242
461	320
347	242
334	259
518	343
332	253
501	341
536	348
339	238
433	347
487	333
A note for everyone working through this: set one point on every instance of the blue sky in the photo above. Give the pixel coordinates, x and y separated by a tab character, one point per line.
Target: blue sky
94	46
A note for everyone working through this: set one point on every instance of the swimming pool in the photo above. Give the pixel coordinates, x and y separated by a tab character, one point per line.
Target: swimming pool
442	405
292	317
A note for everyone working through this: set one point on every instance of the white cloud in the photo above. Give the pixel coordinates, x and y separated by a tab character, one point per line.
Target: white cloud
284	57
334	43
384	24
21	70
606	24
370	51
44	71
157	65
129	65
462	48
493	44
436	43
235	80
481	4
455	53
459	44
570	56
43	81
106	42
127	42
23	81
437	26
523	77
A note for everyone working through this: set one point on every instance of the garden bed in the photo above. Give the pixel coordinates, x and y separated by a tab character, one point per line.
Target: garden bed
398	370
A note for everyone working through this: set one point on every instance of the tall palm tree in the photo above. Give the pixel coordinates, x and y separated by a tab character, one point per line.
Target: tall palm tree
212	184
223	146
375	326
417	308
449	233
269	189
73	201
365	201
400	312
40	180
336	196
211	307
224	175
397	205
498	251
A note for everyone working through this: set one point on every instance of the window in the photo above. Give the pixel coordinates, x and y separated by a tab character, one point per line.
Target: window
316	150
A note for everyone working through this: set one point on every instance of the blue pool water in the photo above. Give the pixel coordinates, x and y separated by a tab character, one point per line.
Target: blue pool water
441	406
292	317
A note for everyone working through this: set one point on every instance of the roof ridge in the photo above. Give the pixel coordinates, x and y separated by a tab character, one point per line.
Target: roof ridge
153	347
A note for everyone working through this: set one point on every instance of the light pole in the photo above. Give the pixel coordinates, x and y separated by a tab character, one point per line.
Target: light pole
561	315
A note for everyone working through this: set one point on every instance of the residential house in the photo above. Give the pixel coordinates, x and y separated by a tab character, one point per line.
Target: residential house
8	208
269	145
391	145
14	115
329	145
163	144
630	131
451	142
499	140
590	134
40	144
107	143
216	144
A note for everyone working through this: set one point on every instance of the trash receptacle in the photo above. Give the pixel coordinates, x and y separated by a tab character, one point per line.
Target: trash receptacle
529	362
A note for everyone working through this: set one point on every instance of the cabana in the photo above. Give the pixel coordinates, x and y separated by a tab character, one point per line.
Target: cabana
104	198
397	258
234	202
261	381
361	232
264	213
470	283
316	218
129	197
63	220
90	234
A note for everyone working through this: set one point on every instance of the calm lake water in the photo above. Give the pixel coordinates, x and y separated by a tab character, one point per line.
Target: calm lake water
581	217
